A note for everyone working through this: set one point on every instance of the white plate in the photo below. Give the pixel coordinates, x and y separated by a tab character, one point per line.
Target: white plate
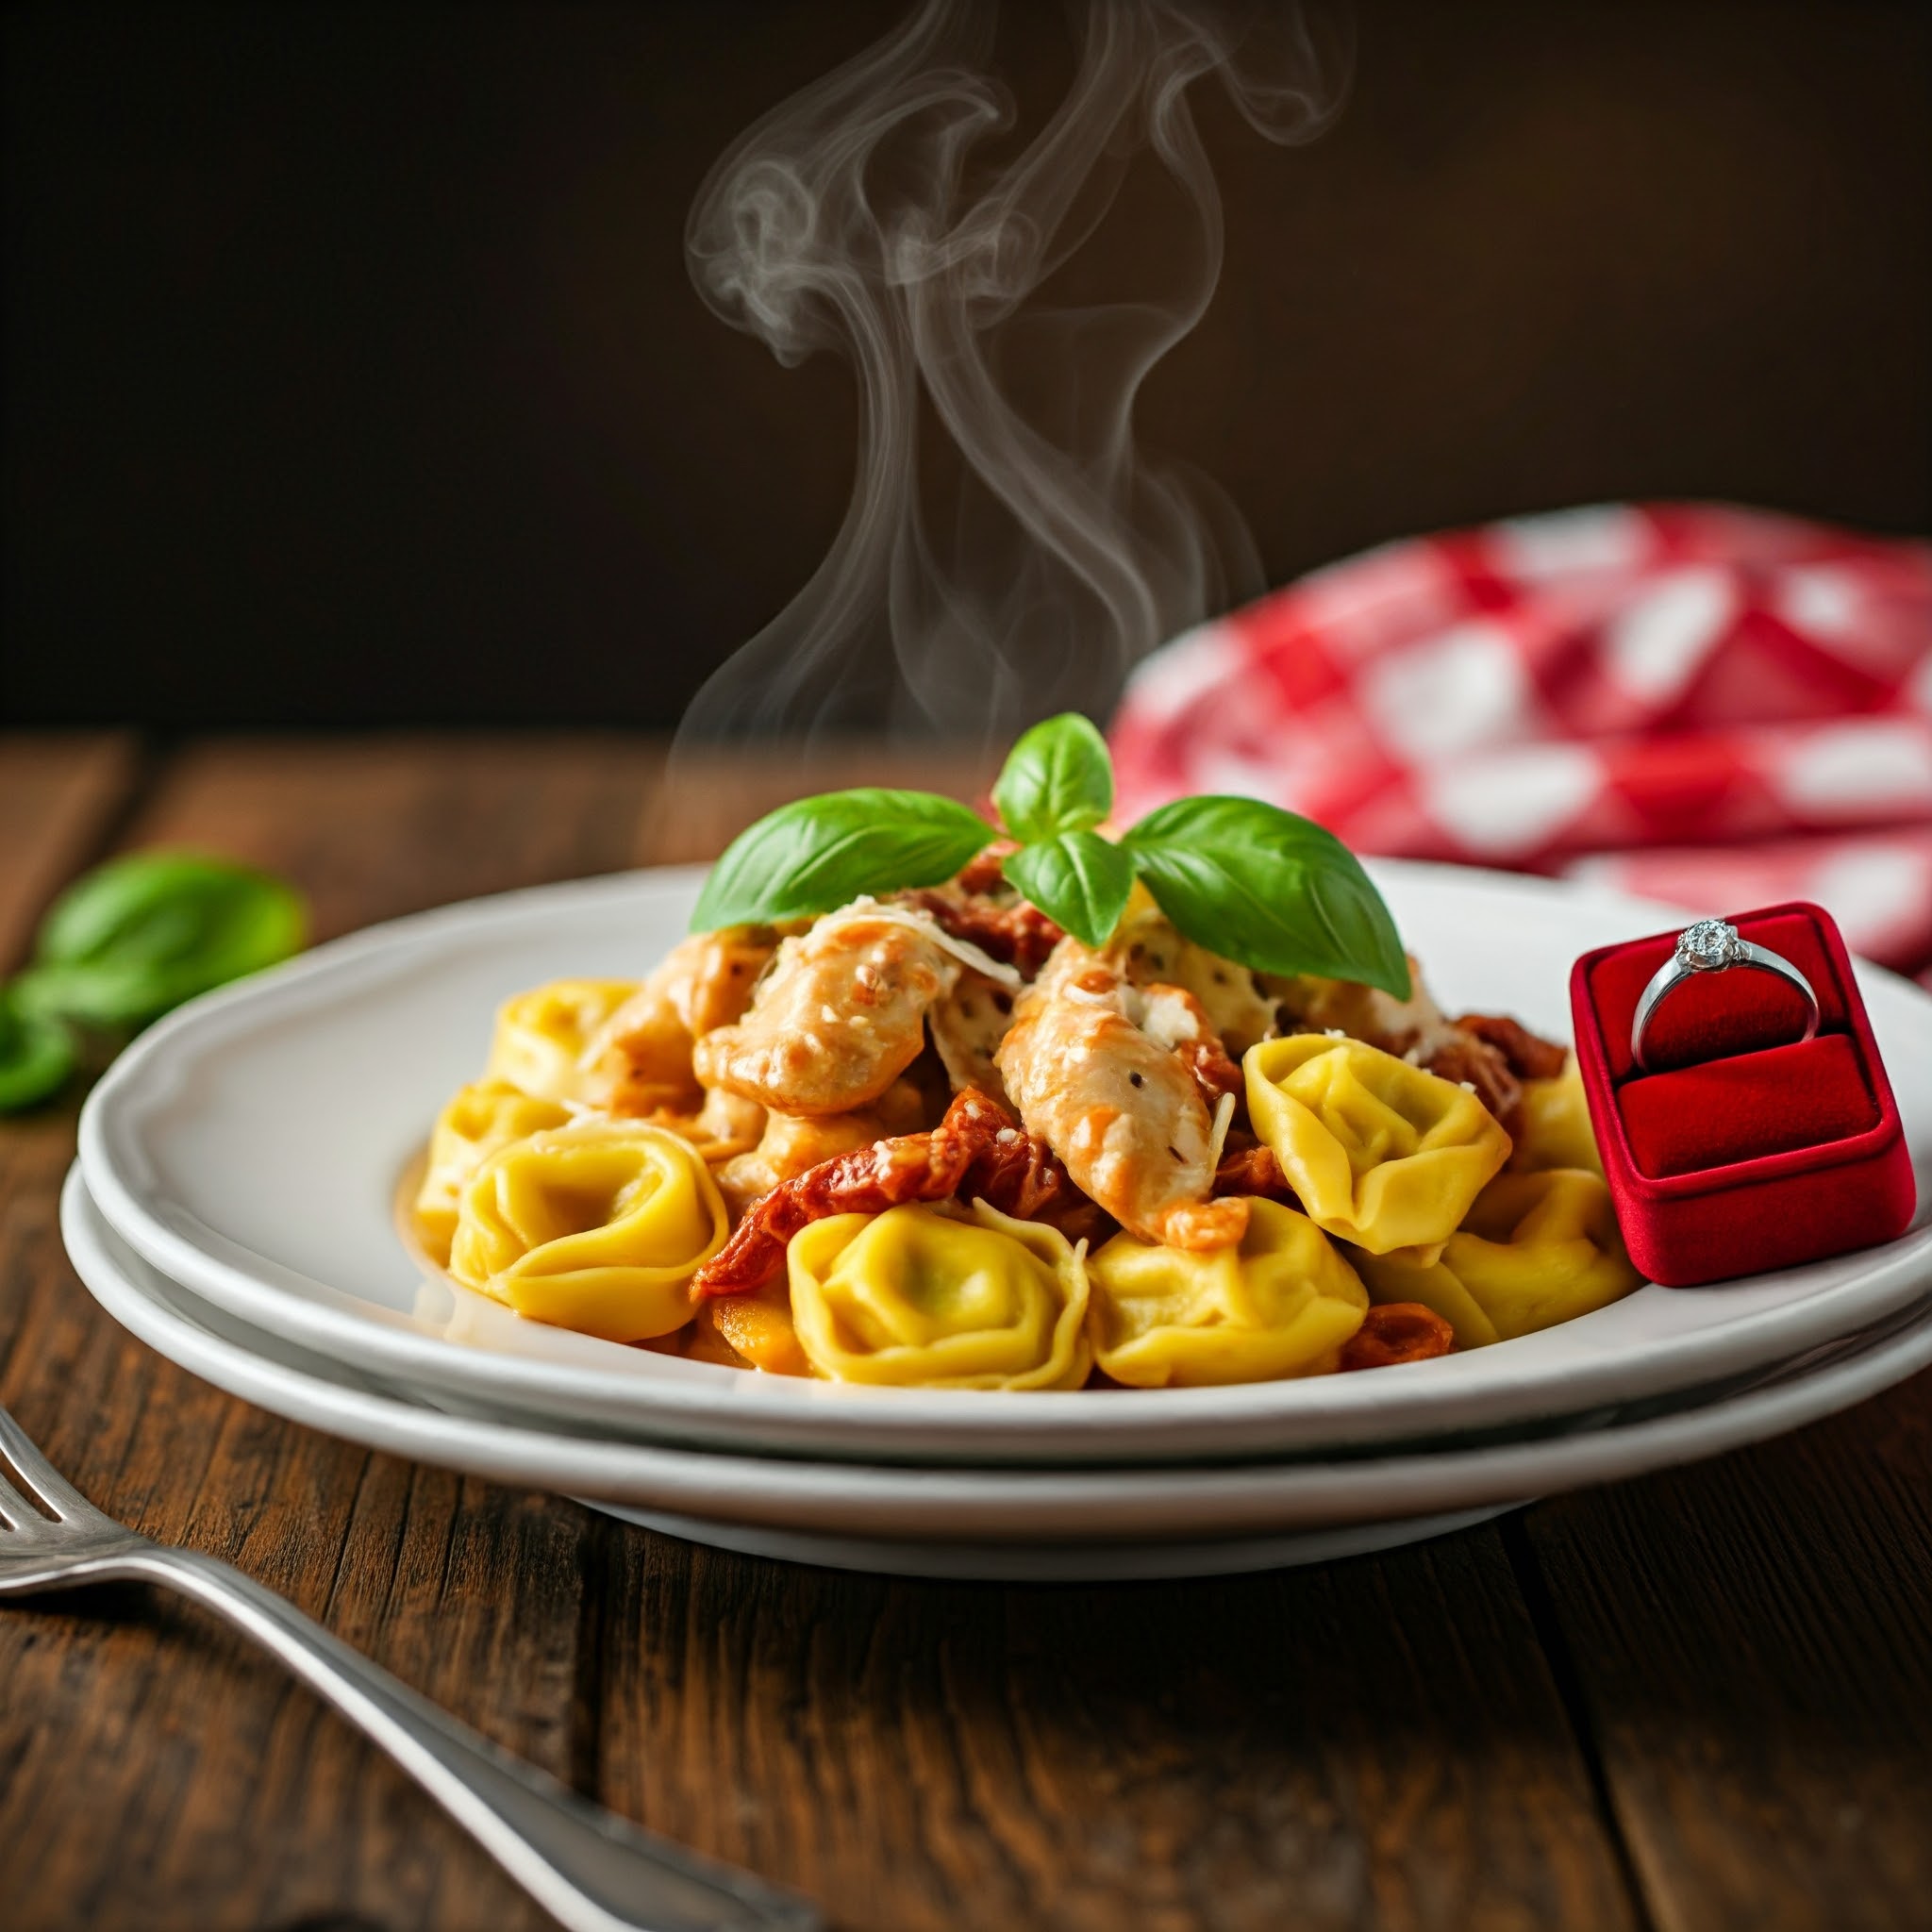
249	1147
1050	1523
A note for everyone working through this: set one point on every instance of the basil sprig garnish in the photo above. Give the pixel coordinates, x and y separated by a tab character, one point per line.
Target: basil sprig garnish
138	936
36	1055
124	944
1080	881
820	853
1279	892
1057	778
1247	880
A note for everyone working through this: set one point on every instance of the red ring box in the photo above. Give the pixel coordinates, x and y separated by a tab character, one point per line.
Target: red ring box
1741	1153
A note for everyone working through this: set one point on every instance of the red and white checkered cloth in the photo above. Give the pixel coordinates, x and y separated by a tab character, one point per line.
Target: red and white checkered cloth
1716	706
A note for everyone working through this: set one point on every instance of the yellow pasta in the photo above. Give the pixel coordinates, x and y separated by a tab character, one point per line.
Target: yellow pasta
542	1035
1281	1304
597	1227
481	1118
917	1297
1554	1127
1537	1249
1378	1152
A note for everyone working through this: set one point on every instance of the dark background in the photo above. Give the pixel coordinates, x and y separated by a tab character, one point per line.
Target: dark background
352	375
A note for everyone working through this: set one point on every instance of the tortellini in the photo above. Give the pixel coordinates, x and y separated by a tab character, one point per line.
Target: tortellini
542	1035
1280	1303
1554	1126
1537	1249
480	1118
920	1297
1378	1152
597	1227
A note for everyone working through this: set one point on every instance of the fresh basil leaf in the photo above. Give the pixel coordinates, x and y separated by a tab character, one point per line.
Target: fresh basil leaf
1270	890
1079	881
140	935
36	1055
820	853
1057	778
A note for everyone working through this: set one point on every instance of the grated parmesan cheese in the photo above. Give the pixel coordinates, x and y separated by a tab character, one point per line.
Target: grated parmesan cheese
929	927
1223	1118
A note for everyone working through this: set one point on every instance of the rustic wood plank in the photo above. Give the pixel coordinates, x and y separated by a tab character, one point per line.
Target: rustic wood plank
153	1769
170	1773
1375	1743
1750	1637
373	827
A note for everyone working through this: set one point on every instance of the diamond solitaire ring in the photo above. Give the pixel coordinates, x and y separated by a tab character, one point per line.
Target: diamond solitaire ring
1712	945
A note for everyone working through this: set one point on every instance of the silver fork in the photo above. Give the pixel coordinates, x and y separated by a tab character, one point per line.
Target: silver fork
595	1872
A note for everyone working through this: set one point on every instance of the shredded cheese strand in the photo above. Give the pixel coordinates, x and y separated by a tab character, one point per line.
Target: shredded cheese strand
923	923
1223	1118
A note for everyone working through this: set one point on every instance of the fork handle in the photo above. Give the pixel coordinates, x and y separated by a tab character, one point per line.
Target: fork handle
592	1870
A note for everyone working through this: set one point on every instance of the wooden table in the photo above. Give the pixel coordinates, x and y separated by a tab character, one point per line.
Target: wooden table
1702	1700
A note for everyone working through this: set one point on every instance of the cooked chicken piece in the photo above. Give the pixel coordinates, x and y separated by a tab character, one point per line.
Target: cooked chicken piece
1173	1015
918	1098
840	1016
792	1145
1155	953
967	1027
640	1061
912	1103
724	1127
1090	1061
1176	1019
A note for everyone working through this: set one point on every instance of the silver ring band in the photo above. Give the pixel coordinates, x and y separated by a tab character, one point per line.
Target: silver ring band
1713	946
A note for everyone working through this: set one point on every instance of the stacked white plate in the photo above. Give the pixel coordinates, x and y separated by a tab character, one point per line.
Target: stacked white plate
233	1204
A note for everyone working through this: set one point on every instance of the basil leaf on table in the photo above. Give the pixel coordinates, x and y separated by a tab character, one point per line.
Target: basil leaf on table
36	1055
819	854
1080	881
141	934
1057	778
1269	888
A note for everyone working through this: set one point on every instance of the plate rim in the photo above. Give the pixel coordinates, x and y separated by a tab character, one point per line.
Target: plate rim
776	1413
905	1504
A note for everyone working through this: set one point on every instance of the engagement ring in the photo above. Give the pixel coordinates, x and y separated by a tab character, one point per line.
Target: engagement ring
1712	945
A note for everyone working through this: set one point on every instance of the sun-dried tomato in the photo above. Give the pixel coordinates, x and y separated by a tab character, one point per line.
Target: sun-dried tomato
1213	1071
1527	1055
1471	1060
976	1153
1011	931
1249	1167
987	872
1397	1332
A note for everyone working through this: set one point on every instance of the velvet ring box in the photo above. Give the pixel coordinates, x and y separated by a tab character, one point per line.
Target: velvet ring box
1747	1148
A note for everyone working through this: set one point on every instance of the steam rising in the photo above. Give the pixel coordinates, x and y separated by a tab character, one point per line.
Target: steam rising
866	217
